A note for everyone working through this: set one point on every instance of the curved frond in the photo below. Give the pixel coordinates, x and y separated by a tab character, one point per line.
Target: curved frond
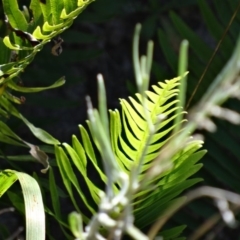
134	124
31	29
225	140
28	31
130	136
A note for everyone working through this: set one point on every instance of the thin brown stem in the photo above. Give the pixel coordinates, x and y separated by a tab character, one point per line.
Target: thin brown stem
209	223
213	55
211	192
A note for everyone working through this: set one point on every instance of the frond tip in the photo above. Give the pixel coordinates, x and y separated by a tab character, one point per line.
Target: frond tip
161	104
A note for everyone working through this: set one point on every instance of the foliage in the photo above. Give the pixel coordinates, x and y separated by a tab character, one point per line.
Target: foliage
116	166
27	33
222	145
27	37
33	203
129	147
129	152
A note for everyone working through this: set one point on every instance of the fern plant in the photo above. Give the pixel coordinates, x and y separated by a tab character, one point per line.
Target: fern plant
130	150
143	127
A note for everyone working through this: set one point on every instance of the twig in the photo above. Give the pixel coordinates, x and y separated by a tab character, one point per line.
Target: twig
213	55
209	223
15	234
199	192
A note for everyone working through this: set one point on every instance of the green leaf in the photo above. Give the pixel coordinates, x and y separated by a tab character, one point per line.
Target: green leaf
49	28
46	23
5	130
15	16
89	151
172	233
46	9
34	209
82	169
6	139
5	54
56	8
70	5
37	132
37	33
36	10
20	158
18	88
129	137
7	179
54	194
40	133
75	222
69	179
132	115
148	213
8	43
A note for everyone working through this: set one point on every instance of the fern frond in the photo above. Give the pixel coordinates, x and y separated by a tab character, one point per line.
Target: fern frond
28	36
129	135
138	133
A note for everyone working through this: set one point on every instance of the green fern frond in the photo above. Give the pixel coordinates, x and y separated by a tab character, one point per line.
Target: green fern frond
28	36
133	115
129	137
29	30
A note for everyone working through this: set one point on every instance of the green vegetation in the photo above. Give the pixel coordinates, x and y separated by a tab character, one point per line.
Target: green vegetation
144	155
